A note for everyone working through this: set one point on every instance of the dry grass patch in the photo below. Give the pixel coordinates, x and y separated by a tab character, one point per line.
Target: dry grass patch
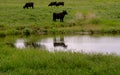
90	16
79	16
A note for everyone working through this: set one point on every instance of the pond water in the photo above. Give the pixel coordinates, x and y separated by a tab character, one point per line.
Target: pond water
74	43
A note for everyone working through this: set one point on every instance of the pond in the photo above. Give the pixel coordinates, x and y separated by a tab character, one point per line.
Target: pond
75	43
87	44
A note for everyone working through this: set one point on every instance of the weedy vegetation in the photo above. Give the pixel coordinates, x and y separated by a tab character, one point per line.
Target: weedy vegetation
94	16
34	62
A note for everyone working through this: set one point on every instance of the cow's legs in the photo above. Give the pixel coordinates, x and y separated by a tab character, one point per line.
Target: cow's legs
61	20
54	19
32	6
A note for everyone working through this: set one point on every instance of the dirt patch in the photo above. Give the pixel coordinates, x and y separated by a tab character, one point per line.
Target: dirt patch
79	16
90	16
71	23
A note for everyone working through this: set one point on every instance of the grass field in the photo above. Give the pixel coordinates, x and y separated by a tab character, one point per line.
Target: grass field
83	15
41	62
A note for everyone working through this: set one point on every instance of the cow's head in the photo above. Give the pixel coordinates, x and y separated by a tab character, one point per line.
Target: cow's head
65	12
24	7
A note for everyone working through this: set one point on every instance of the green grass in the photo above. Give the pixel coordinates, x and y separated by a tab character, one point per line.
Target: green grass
102	14
83	15
40	62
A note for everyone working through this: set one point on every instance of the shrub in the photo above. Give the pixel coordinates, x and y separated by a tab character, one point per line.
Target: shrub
27	31
95	21
2	34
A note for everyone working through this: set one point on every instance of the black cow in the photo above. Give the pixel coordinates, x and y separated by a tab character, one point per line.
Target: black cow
29	4
56	4
59	15
52	4
60	3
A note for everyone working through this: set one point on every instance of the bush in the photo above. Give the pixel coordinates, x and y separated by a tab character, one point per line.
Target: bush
27	31
2	34
95	21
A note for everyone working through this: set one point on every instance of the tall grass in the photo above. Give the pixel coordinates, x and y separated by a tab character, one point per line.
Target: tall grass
41	62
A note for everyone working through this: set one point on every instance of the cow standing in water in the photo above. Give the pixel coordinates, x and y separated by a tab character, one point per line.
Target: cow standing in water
29	4
59	15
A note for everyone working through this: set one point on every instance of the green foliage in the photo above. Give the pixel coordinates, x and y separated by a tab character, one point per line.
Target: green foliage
95	21
2	34
12	32
27	31
16	20
36	62
54	31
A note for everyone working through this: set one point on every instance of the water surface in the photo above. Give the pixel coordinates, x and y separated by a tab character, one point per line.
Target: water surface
76	43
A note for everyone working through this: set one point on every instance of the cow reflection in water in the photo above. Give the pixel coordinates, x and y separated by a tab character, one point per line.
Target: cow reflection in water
59	42
32	44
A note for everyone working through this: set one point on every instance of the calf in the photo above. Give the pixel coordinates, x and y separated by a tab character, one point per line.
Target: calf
59	15
60	3
29	4
52	4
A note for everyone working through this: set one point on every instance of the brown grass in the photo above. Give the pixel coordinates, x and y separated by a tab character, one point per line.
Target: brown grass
79	16
90	16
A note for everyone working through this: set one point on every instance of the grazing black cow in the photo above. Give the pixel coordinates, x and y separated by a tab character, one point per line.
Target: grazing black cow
29	4
60	3
56	4
52	4
59	15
